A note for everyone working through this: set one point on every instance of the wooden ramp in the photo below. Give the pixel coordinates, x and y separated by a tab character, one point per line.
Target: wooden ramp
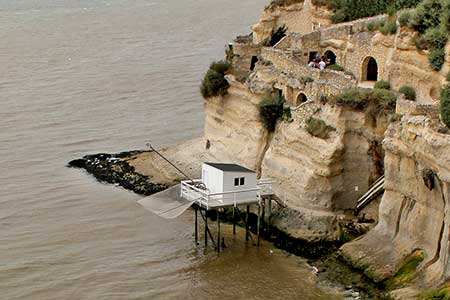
374	191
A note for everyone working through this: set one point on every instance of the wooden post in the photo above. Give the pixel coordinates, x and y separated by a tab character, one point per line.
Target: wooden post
196	226
206	228
218	231
234	220
246	223
258	224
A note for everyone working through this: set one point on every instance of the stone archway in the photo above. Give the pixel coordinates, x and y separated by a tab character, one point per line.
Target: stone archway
369	69
301	98
330	56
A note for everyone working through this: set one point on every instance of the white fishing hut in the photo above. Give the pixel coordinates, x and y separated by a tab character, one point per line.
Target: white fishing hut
225	185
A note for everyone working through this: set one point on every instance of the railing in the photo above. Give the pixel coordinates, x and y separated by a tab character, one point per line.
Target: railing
265	186
203	197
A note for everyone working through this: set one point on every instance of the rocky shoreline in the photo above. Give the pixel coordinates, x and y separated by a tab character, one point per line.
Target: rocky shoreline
322	255
114	169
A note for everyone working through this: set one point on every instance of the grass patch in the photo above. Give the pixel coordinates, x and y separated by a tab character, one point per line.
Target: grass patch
318	128
214	82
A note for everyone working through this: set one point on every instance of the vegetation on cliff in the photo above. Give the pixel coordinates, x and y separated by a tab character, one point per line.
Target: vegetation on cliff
445	106
318	128
214	82
271	109
431	18
360	99
407	271
409	92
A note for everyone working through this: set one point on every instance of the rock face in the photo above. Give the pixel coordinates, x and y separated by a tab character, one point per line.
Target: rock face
414	211
302	18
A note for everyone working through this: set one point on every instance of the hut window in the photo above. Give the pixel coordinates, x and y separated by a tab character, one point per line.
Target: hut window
239	181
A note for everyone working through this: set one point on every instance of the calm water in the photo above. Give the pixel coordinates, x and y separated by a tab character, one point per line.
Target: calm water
79	77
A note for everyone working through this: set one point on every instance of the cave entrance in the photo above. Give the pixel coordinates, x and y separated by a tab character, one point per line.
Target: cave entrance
330	57
253	63
370	69
301	98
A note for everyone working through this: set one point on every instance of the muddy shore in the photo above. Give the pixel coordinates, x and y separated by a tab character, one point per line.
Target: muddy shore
322	255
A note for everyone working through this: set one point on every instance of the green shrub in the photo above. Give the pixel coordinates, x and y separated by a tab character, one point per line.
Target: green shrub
390	27
427	15
318	128
436	58
220	66
384	85
336	68
271	109
436	37
409	92
404	17
214	82
420	42
371	26
445	106
448	76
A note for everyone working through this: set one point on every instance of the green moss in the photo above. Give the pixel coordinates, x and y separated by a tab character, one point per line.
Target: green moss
318	128
407	271
440	294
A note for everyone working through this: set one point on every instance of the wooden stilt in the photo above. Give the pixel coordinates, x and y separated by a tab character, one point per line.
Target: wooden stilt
234	220
196	226
207	231
218	231
258	225
246	223
206	228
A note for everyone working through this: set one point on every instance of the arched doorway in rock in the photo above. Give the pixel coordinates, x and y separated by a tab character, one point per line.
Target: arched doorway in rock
330	56
369	69
301	98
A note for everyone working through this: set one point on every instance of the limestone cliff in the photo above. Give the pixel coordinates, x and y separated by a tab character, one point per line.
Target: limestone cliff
321	178
414	212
